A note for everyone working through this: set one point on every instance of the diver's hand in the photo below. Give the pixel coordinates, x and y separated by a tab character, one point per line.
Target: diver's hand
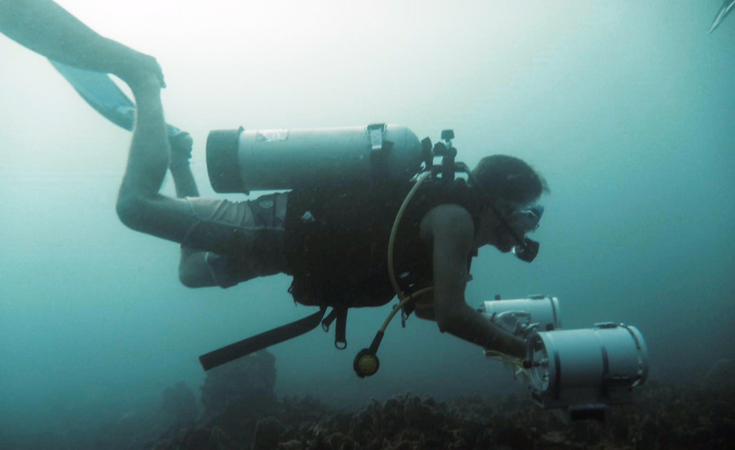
517	323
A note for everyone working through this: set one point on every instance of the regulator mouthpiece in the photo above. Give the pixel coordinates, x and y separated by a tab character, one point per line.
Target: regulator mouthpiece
527	250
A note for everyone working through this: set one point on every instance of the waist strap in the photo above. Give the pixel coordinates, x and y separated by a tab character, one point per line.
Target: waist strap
277	335
261	341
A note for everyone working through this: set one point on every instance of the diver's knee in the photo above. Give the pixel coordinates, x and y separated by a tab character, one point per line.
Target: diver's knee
131	210
187	280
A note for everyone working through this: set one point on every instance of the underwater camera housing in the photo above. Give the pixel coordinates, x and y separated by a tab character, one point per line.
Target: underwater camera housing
586	370
543	310
581	372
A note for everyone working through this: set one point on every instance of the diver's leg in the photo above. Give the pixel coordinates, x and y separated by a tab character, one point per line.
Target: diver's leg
139	204
194	270
181	146
200	225
220	227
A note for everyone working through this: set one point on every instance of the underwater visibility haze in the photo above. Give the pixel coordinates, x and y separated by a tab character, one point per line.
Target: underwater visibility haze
625	107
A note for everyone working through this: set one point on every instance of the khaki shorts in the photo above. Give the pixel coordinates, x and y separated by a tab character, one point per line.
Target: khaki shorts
244	240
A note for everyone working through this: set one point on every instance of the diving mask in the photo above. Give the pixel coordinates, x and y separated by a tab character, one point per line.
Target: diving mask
526	219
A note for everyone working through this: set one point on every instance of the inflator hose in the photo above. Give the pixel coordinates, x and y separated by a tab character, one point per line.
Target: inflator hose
394	231
366	362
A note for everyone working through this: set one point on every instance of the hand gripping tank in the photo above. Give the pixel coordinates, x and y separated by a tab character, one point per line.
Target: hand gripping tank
243	161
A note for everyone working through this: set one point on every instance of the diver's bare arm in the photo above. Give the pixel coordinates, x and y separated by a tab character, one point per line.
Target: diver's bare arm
452	232
48	29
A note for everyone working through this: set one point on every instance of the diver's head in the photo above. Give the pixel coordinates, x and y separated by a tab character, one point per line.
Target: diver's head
512	187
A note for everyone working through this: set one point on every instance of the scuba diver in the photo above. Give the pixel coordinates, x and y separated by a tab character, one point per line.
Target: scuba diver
49	30
333	241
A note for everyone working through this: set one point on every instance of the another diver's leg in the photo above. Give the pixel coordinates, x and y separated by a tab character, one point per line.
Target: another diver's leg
139	204
48	29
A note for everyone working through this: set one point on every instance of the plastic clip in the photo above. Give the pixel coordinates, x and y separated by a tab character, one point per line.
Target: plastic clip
376	131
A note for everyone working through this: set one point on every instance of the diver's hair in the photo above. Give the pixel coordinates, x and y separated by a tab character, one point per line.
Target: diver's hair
509	178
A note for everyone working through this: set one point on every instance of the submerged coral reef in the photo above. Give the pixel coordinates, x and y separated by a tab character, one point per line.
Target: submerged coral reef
241	411
662	417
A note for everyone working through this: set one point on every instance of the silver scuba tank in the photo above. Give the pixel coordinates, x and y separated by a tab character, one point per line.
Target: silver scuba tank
243	161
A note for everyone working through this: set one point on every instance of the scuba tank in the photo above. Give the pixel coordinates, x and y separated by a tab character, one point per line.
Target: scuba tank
244	161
